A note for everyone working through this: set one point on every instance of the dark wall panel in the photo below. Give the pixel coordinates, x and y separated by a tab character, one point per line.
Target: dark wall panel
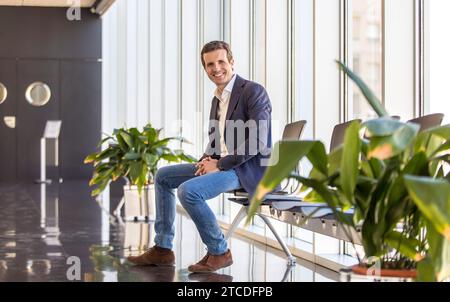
7	135
81	112
35	32
41	44
31	120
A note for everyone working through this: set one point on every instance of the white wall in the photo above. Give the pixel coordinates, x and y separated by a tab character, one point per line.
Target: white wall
152	70
438	50
326	76
399	57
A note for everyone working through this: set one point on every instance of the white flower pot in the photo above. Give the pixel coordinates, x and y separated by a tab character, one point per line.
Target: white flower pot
139	207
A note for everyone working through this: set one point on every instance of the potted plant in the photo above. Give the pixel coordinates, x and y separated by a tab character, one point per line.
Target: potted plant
395	180
134	155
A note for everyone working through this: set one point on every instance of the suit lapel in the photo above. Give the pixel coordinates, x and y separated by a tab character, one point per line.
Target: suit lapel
235	95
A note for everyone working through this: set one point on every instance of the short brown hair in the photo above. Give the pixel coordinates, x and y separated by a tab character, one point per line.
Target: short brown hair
215	45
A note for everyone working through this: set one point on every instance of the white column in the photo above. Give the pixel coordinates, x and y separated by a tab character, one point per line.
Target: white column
399	58
326	72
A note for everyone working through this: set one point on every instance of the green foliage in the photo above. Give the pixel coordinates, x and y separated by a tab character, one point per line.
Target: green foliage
394	180
132	154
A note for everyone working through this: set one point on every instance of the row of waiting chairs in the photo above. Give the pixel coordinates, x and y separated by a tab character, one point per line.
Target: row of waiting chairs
291	209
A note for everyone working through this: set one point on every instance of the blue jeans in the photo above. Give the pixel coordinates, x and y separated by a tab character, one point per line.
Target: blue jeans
193	192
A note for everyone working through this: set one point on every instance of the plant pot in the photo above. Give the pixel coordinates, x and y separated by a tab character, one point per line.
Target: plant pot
360	273
139	207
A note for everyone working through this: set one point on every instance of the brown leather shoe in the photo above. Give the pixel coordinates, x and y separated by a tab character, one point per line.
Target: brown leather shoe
154	256
212	263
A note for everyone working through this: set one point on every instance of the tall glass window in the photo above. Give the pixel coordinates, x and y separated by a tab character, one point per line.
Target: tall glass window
437	57
365	50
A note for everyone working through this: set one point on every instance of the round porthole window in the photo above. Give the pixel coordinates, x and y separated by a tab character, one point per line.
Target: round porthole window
38	94
3	93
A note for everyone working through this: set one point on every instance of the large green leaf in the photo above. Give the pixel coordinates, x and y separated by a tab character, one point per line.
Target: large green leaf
122	144
386	147
408	247
436	267
134	132
432	196
423	139
90	158
99	177
366	91
373	167
151	133
107	154
417	165
284	159
313	196
372	245
163	142
105	140
143	177
318	158
382	127
127	138
443	148
375	225
185	157
150	159
132	156
441	131
101	187
350	160
135	171
335	160
143	139
425	270
171	157
103	166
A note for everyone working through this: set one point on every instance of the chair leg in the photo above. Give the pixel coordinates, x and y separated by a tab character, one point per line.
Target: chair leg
287	273
236	221
291	259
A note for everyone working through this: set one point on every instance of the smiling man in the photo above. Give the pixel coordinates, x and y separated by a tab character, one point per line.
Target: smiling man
239	140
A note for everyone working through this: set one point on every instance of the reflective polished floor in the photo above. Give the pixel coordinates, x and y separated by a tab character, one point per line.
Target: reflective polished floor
59	233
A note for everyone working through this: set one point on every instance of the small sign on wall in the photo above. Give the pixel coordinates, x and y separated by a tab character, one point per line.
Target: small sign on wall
52	129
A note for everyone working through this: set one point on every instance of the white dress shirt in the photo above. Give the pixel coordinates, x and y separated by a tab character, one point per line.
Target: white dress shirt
224	101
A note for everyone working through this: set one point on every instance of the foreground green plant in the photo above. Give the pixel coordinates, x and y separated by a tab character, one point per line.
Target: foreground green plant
394	178
132	154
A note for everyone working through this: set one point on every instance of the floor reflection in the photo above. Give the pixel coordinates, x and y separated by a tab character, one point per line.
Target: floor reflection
42	227
210	277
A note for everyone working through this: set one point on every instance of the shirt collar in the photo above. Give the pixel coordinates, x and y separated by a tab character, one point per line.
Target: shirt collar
228	89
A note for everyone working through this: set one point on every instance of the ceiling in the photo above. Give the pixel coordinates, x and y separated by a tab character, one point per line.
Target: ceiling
49	3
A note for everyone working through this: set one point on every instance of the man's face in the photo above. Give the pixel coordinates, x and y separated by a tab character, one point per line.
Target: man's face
218	68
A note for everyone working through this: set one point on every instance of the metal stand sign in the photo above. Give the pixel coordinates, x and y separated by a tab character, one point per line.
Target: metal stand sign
51	135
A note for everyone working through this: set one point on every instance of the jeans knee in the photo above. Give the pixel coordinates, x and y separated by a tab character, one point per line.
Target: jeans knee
161	174
186	194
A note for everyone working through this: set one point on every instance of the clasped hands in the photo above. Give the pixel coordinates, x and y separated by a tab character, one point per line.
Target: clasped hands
206	166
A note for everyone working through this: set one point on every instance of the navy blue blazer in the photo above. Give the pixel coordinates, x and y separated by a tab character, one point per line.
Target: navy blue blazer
248	146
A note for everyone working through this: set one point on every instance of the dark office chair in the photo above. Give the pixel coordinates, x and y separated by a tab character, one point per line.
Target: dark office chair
428	121
293	131
337	138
